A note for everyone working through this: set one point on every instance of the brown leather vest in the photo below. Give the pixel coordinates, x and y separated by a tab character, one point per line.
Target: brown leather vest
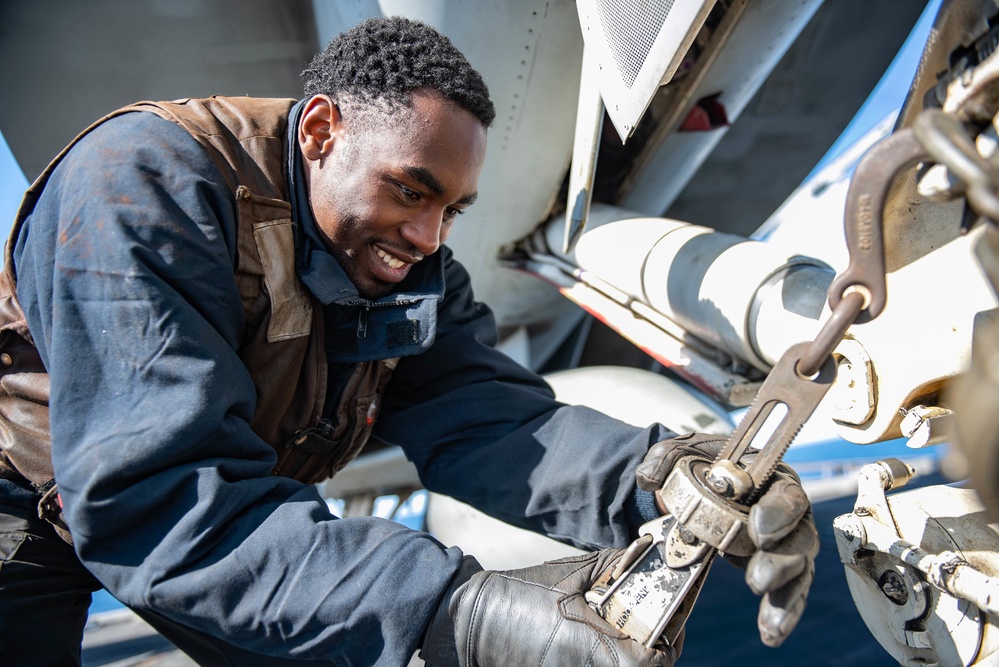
282	343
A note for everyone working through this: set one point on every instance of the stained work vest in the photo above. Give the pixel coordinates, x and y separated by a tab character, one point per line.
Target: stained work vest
282	343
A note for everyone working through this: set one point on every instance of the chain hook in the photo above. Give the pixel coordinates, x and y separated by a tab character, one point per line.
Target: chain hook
864	220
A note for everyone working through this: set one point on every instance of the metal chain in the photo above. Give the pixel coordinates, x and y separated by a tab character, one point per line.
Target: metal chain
947	141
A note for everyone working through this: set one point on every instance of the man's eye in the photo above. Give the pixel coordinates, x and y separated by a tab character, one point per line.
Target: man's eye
409	193
452	212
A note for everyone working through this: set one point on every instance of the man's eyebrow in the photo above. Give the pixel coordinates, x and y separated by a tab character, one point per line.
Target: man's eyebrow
424	176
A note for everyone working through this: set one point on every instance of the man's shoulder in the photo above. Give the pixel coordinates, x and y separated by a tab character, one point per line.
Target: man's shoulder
245	136
244	117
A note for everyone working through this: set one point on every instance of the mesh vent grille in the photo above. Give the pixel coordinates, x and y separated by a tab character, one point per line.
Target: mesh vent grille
631	31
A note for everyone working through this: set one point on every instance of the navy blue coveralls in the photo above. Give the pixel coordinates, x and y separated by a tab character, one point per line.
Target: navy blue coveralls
125	274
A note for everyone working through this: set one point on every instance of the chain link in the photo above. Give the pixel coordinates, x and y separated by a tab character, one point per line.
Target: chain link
948	142
843	316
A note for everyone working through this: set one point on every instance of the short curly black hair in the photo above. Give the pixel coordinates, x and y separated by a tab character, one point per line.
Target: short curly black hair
386	59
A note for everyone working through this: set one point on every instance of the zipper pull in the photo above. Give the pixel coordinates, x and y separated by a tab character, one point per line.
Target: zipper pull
362	323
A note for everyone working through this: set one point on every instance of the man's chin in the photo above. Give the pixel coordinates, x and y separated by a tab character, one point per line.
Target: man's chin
373	290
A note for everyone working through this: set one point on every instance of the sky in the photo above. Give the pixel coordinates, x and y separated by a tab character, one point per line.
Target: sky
12	187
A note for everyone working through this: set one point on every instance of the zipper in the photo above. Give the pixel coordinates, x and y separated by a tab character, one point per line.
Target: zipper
374	304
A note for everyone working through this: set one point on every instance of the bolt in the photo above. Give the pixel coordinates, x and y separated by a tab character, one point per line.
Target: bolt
862	511
893	586
685	535
720	485
851	529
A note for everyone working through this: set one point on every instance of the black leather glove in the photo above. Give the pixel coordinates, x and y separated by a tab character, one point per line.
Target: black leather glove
531	617
780	525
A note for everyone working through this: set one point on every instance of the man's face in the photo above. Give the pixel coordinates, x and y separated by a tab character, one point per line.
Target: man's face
385	195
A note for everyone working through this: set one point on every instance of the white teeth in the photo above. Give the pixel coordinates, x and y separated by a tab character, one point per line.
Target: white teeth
393	262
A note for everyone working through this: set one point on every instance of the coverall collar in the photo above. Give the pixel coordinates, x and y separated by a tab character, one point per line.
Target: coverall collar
414	302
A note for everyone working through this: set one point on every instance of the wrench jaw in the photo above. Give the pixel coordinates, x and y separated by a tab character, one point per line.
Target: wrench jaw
703	514
649	594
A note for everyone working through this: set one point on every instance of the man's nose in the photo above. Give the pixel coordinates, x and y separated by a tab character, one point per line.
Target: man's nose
424	231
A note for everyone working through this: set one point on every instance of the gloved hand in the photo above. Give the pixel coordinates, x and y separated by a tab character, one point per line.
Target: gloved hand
780	525
531	617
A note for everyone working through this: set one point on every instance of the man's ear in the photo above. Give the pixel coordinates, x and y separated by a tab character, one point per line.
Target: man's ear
319	128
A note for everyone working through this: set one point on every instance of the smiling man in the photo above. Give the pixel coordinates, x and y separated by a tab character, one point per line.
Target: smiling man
210	305
386	198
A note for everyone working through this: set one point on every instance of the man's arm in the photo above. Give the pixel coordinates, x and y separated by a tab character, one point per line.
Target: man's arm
485	430
126	277
481	428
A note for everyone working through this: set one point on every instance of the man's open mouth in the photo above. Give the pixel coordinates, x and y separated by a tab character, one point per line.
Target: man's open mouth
392	261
